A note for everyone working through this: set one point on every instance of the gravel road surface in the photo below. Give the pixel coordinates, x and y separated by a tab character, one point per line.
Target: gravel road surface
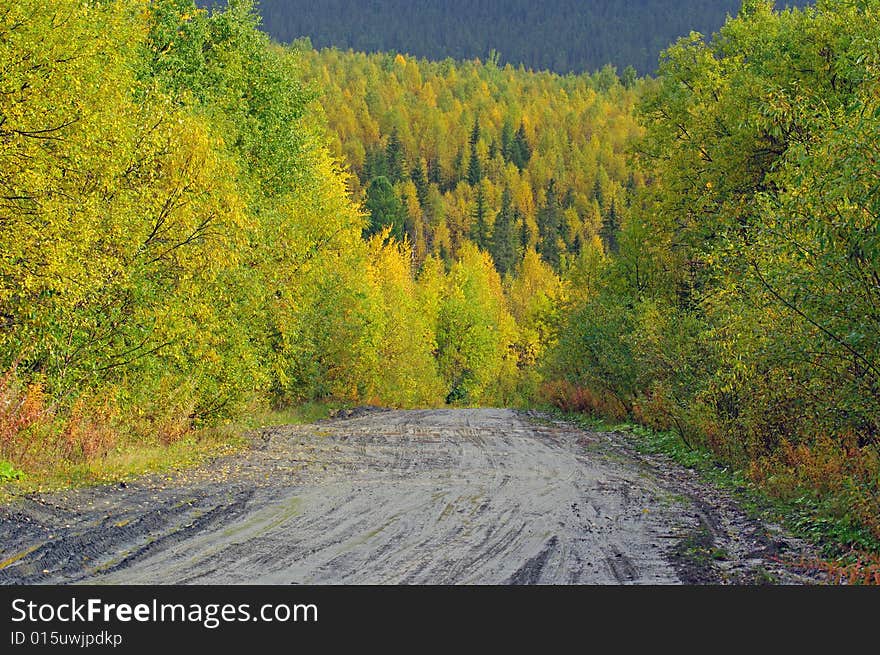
467	496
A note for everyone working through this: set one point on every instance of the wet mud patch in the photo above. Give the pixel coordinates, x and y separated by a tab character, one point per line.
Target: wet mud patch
530	572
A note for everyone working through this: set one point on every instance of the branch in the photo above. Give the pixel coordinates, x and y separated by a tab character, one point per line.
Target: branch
44	134
134	359
816	325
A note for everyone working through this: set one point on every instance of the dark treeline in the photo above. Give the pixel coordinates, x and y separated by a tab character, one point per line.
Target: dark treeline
557	35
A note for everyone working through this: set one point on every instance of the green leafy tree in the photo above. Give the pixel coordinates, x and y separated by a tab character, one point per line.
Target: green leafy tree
474	331
629	77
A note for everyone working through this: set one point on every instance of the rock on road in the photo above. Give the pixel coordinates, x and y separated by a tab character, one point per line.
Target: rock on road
469	496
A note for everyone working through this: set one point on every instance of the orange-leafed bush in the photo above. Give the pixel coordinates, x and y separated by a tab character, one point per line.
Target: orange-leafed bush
832	468
165	425
88	432
825	464
654	410
23	411
859	568
35	432
572	398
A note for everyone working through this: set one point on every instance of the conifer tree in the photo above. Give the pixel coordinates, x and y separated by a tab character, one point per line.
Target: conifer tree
395	159
507	136
610	228
385	209
549	227
420	179
521	151
475	168
479	227
504	237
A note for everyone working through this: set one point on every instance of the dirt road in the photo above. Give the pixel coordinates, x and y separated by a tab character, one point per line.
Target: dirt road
421	497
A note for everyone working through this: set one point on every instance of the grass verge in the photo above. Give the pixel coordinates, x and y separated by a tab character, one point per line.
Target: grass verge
133	458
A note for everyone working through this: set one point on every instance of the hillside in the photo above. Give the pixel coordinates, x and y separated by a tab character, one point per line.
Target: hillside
557	35
509	160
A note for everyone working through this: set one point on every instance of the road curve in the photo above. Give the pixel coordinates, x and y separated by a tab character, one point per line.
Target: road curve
470	496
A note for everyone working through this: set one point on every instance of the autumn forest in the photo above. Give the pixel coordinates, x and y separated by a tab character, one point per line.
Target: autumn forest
198	223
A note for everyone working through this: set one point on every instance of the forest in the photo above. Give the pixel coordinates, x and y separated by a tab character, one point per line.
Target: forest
511	162
563	36
197	222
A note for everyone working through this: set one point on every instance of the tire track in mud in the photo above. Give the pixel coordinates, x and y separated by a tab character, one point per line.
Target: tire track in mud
390	497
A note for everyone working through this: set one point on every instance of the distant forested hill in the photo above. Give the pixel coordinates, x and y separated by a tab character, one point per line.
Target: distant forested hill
558	35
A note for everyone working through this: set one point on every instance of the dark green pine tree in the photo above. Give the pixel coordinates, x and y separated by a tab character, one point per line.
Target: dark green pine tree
420	178
506	140
630	189
525	237
521	151
597	194
549	227
384	208
475	168
479	228
394	156
375	164
504	237
610	228
577	244
475	133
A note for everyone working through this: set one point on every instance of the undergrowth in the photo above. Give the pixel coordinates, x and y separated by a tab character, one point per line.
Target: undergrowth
45	446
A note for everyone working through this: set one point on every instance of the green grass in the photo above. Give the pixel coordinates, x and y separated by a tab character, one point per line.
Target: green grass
127	461
294	415
9	472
